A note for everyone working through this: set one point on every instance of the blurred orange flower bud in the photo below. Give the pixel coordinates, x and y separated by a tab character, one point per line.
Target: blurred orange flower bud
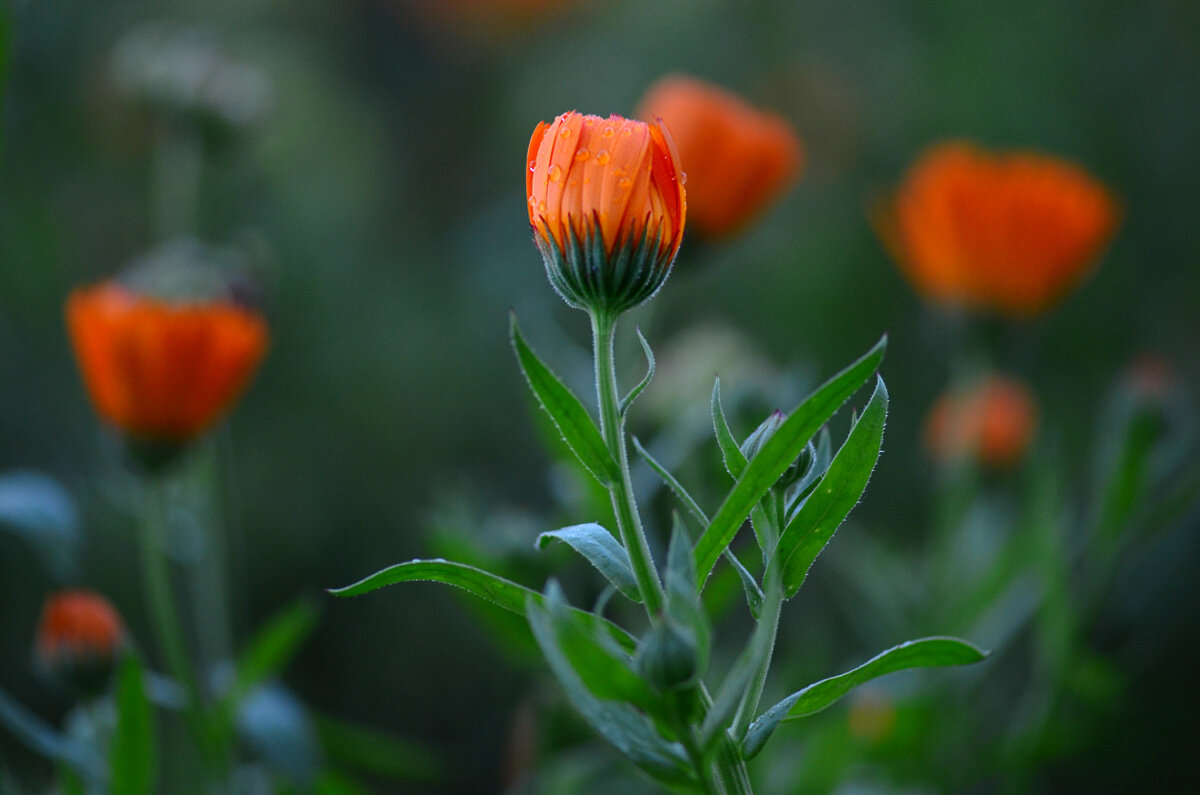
737	158
1008	232
78	639
994	419
607	207
162	371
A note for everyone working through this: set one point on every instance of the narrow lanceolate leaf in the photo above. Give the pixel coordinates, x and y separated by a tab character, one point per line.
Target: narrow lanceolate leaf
627	401
923	653
836	494
754	594
273	648
631	732
484	584
566	411
773	459
731	451
601	550
132	756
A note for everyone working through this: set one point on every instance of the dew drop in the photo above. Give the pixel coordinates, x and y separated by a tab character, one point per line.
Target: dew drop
582	153
603	157
565	132
608	132
541	207
682	177
624	183
626	131
555	173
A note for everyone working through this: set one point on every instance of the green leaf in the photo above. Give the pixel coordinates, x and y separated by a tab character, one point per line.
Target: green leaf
132	756
923	653
754	594
484	584
778	454
627	401
272	649
601	550
731	451
631	732
605	670
836	495
566	411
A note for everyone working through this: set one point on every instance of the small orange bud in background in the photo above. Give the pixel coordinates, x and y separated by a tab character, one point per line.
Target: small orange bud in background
1010	232
162	371
78	639
737	158
993	419
607	207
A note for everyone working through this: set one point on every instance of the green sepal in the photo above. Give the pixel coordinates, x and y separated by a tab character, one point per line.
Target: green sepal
578	429
924	653
627	401
133	756
838	491
497	590
631	732
779	452
602	550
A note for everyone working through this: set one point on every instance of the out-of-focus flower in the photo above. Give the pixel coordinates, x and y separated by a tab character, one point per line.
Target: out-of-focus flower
737	158
78	638
993	419
606	204
162	370
185	72
1008	232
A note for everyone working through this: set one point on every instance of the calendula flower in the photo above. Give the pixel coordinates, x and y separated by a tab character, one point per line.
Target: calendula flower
78	638
162	371
606	204
1010	233
737	158
993	419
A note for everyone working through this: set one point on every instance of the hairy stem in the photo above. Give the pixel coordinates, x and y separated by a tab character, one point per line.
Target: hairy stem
612	428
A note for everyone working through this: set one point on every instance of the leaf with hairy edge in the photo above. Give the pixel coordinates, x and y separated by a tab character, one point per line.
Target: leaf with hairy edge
627	401
601	550
566	411
731	451
631	732
132	756
754	594
836	495
924	653
484	584
778	453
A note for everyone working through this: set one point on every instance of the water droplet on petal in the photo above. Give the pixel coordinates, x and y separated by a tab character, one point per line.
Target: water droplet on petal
541	207
582	153
682	177
608	132
603	157
624	183
565	132
532	165
555	173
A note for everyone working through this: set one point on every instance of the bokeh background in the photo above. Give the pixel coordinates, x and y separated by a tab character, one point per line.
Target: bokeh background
382	195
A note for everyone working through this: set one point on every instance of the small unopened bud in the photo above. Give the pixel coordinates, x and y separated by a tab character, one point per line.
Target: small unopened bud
78	639
667	656
755	441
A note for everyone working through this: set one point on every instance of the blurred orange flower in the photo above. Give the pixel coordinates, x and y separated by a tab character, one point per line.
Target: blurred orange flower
158	370
1008	232
737	158
78	638
994	419
606	203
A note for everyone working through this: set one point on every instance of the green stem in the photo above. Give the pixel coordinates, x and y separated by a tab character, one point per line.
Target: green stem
732	775
768	621
612	428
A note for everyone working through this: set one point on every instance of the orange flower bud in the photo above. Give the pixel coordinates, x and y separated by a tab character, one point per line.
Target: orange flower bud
162	371
78	638
737	158
1007	232
994	419
607	208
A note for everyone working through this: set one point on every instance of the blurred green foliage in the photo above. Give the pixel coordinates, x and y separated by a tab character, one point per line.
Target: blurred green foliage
384	191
